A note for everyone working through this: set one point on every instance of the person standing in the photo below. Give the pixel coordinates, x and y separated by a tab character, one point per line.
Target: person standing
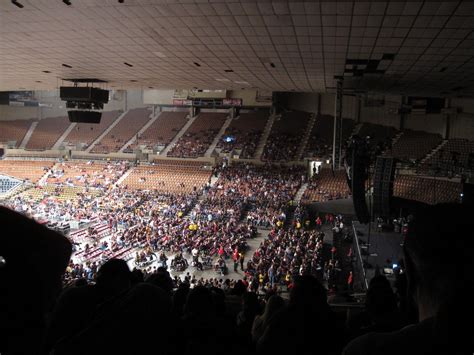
241	258
235	257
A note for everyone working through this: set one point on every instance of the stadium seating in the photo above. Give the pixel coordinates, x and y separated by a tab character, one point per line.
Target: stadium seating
162	131
414	145
87	133
321	136
31	170
451	157
245	132
199	136
47	133
380	136
14	131
327	186
168	176
59	193
120	134
285	136
431	191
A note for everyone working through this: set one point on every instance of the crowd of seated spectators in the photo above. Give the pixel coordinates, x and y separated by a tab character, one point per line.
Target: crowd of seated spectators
199	136
244	134
286	136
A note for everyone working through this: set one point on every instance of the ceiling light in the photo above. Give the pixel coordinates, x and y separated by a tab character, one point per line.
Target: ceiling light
159	54
17	4
66	65
197	64
128	64
229	71
67	2
227	80
242	82
46	71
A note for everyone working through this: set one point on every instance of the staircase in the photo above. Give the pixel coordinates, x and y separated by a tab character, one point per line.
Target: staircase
28	134
218	137
305	139
300	193
44	178
165	151
124	176
434	151
396	138
64	135
140	132
264	138
88	150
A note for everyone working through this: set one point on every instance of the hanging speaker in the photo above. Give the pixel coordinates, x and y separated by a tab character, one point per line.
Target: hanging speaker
383	185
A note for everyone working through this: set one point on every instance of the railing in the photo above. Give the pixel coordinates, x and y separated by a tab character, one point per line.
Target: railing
360	278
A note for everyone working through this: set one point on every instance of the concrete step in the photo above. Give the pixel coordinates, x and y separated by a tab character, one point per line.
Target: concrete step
218	137
28	134
64	135
304	141
264	138
88	150
183	130
141	131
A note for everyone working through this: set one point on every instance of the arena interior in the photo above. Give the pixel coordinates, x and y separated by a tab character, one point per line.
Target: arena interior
241	176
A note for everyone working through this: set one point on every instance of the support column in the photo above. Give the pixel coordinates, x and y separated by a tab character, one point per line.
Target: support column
447	106
337	133
403	112
318	109
359	107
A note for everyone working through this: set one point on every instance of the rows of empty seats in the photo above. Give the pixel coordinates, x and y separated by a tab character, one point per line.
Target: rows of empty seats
168	176
199	136
286	136
14	131
47	133
85	133
60	193
380	136
455	156
121	133
244	133
426	190
327	185
321	136
162	131
87	173
31	170
414	145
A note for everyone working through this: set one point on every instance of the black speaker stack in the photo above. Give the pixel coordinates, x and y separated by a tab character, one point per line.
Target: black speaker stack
384	174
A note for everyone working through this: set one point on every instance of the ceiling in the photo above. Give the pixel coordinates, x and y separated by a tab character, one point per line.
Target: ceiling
424	47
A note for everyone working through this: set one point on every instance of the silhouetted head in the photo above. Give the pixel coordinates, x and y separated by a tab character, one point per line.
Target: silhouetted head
380	297
199	303
308	294
114	277
439	250
274	304
162	279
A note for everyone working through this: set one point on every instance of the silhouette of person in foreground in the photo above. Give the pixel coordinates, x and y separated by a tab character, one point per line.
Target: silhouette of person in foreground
439	263
33	260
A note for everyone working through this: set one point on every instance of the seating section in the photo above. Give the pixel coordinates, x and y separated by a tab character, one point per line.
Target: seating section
285	136
321	136
31	170
87	133
327	185
162	131
58	193
14	131
453	156
7	183
47	133
380	136
431	191
168	176
120	134
414	145
199	136
93	174
245	132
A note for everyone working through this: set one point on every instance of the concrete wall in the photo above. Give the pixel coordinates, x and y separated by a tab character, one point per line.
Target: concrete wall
462	126
432	123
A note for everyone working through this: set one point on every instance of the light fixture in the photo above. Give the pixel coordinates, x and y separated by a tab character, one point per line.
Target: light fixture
66	65
128	64
67	2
